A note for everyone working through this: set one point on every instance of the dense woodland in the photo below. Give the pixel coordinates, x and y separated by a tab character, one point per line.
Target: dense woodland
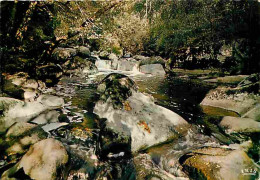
190	34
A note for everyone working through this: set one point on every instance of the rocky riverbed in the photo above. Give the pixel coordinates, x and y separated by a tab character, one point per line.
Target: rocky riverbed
125	120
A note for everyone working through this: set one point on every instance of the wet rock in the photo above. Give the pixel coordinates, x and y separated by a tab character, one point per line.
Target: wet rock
48	117
21	83
20	136
217	163
103	64
155	69
83	51
42	161
129	64
18	111
147	169
52	126
133	117
240	103
240	125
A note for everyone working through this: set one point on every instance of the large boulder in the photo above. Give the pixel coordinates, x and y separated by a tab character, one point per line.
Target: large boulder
20	136
133	116
152	60
129	64
219	163
155	69
41	162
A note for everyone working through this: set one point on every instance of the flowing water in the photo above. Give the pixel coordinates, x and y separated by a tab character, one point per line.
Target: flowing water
177	94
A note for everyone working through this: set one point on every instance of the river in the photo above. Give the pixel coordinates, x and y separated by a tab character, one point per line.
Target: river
181	95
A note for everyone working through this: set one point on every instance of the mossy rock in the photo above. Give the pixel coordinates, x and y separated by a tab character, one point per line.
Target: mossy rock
13	90
117	87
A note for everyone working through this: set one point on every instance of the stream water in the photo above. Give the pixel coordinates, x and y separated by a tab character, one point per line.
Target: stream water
177	94
81	136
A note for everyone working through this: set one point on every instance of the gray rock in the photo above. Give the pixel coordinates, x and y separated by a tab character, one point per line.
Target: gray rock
218	163
138	118
240	103
103	64
239	125
19	111
21	135
52	126
114	60
42	161
48	117
155	69
129	64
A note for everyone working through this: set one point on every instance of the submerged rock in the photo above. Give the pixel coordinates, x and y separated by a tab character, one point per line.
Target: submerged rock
134	117
42	161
